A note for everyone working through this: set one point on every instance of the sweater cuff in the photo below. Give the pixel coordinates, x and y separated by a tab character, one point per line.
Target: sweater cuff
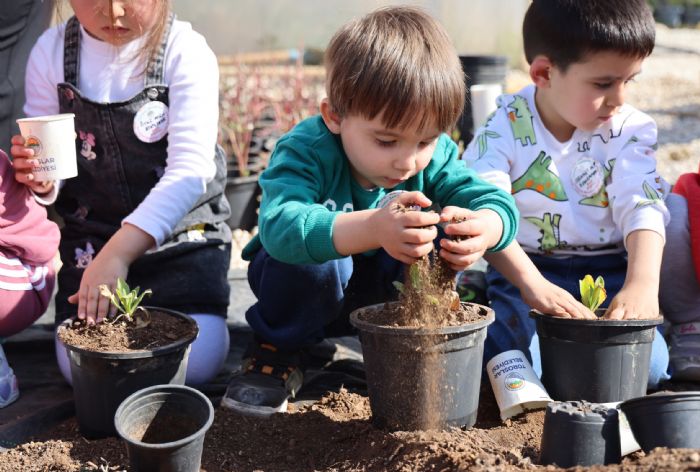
319	238
510	225
647	218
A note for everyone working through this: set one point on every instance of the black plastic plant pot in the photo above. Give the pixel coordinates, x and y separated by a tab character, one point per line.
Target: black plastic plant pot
665	419
422	378
580	433
163	428
599	360
242	195
102	380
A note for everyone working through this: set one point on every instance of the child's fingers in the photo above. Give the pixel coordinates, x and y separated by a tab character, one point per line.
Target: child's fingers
413	198
616	313
17	139
459	261
452	212
465	246
419	219
419	235
18	150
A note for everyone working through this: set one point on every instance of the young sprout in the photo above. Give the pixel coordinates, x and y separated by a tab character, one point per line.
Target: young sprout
592	293
127	301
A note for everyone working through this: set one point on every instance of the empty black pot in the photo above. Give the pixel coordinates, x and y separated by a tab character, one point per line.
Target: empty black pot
580	433
102	380
665	419
422	378
163	428
599	360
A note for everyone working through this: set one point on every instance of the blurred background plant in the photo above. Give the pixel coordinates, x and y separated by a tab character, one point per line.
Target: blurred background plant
262	96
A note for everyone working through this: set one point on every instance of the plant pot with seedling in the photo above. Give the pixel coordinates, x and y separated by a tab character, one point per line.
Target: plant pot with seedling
423	354
110	360
598	360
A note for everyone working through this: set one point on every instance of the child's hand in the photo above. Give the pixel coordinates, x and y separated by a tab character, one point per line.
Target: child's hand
24	165
542	295
472	234
634	301
406	235
104	269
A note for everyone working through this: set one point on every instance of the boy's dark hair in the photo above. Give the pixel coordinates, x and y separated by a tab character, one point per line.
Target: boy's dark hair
397	61
566	30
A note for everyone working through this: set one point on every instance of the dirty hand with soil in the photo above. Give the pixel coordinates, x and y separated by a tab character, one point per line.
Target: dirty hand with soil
470	233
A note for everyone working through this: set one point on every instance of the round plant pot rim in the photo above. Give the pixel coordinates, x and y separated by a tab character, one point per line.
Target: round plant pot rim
164	388
144	353
413	331
661	397
598	322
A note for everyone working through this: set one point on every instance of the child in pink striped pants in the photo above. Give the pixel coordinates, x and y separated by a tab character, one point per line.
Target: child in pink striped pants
28	244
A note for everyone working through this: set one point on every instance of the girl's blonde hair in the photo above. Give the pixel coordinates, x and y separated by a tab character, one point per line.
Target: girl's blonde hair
397	61
153	37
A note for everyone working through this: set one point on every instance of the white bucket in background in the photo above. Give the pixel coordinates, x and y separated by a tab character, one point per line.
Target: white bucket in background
483	101
515	384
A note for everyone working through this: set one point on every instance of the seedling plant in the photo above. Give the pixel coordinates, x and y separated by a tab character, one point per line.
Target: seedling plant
127	302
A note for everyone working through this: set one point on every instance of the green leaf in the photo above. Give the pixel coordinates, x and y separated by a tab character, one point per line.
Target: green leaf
592	293
399	286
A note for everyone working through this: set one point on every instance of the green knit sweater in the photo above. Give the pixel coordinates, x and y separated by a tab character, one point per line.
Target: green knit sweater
308	183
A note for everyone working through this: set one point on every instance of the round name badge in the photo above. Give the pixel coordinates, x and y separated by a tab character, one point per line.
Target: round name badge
151	122
587	176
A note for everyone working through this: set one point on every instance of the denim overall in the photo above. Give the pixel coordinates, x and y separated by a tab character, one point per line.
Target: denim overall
116	171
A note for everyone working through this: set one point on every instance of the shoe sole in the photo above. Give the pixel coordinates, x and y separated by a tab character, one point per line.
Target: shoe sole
253	410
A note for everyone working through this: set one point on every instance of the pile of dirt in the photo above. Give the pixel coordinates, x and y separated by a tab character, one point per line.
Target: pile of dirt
122	336
336	434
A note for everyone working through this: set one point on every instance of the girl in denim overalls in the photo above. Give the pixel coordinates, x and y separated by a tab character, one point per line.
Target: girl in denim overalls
148	199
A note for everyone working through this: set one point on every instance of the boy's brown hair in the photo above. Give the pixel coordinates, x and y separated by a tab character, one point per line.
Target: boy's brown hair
397	61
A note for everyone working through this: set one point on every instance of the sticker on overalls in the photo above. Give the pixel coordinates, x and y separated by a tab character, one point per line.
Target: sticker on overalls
151	122
587	176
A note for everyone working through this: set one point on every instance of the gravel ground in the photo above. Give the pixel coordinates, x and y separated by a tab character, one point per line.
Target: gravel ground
668	89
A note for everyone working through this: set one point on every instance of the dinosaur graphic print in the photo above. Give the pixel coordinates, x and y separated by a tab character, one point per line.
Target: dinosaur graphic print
601	199
520	119
653	196
539	178
549	227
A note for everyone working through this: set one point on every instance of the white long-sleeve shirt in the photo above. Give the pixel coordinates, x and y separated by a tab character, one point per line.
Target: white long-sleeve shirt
583	196
111	74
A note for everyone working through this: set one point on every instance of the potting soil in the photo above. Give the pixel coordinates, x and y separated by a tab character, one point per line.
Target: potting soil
121	336
336	434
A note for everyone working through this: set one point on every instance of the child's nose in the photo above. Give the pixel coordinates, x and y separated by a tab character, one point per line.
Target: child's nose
616	97
114	8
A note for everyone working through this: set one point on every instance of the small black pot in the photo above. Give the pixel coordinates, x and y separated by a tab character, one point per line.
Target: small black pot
599	361
102	380
163	428
580	433
422	378
242	194
665	419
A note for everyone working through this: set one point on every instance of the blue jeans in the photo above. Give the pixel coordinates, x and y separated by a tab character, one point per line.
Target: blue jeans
514	329
299	305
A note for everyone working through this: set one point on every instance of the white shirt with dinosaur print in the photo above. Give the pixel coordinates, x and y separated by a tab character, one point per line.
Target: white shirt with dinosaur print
583	196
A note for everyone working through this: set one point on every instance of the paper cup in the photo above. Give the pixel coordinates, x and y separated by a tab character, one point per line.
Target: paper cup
53	140
483	101
515	384
628	444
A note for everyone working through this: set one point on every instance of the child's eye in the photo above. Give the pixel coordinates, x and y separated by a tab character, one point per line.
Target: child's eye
384	143
426	143
603	85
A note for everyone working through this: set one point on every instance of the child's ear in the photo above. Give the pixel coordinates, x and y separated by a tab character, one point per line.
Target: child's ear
330	118
541	71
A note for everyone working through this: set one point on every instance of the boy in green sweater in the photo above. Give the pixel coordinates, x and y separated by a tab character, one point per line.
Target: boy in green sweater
328	241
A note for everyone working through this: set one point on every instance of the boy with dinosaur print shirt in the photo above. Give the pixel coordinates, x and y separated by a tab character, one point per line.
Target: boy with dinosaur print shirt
581	166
